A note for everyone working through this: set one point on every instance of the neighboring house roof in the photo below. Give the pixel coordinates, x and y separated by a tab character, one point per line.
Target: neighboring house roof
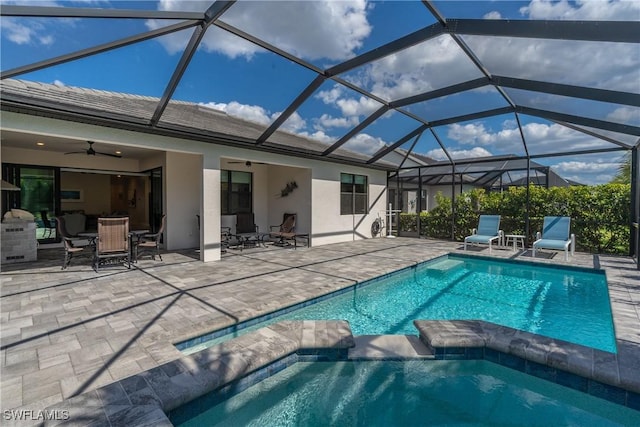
554	179
485	174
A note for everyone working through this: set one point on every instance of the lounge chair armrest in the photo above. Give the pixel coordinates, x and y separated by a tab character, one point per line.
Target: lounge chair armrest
573	243
474	231
538	235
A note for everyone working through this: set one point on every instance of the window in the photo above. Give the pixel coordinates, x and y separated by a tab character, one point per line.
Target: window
354	194
235	192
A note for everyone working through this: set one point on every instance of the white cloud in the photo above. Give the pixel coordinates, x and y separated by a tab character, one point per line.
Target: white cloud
312	30
20	33
429	65
327	121
59	83
613	66
477	134
601	10
252	113
350	106
540	137
365	144
626	115
584	167
438	153
318	136
590	170
493	15
294	123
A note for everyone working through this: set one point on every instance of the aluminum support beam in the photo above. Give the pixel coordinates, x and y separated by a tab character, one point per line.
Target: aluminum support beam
438	93
76	12
97	49
212	13
306	93
356	130
406	156
267	46
402	43
187	54
582	92
386	150
584	121
472	116
597	31
593	134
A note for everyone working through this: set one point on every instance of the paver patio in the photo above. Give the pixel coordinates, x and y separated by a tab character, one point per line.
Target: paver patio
64	333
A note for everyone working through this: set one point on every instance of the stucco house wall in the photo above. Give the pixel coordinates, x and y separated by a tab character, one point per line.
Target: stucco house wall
191	173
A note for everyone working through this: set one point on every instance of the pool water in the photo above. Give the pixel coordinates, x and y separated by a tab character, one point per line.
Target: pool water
411	393
559	302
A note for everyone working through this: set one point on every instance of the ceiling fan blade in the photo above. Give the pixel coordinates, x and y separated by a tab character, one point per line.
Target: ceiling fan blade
76	152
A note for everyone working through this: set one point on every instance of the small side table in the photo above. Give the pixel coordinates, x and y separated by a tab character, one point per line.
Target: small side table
515	240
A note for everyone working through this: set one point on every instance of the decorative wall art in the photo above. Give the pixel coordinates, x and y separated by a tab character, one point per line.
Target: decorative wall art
288	189
69	195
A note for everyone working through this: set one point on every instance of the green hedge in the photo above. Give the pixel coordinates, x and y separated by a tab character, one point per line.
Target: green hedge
600	215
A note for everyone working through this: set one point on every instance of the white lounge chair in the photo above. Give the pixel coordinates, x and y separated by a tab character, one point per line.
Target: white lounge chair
488	230
555	235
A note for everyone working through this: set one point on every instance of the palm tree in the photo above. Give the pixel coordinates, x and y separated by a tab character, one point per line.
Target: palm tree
624	171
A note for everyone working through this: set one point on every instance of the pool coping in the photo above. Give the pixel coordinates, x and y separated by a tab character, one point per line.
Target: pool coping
611	376
147	398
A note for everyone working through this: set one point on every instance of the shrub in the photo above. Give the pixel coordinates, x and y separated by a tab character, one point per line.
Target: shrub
600	215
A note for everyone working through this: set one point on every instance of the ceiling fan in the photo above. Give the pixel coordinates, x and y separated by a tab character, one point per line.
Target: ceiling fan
247	163
91	152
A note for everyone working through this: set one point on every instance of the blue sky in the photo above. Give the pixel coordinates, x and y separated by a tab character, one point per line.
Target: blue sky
232	75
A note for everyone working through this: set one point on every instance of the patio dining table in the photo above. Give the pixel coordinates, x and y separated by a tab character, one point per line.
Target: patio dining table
134	236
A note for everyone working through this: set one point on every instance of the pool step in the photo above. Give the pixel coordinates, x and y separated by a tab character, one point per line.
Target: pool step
389	347
445	265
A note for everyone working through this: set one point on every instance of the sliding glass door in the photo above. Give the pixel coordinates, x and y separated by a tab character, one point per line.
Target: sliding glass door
39	195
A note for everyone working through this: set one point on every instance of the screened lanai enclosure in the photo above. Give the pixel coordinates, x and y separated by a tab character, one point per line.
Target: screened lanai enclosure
444	95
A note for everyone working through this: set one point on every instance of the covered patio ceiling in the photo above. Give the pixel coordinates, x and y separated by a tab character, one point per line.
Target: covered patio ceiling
409	79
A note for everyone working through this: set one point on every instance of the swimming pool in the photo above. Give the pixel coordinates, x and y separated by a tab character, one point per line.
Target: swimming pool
403	394
565	303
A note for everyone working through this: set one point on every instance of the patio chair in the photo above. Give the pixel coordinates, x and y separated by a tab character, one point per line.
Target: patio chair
150	242
488	231
48	225
245	223
286	230
70	244
555	235
112	243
